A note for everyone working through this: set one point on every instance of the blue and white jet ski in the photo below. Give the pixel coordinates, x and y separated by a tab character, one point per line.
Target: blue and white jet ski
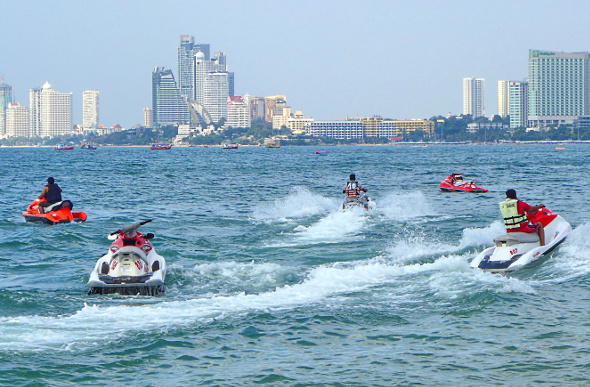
513	251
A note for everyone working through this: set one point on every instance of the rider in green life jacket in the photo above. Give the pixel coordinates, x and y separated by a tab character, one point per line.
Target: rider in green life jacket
514	214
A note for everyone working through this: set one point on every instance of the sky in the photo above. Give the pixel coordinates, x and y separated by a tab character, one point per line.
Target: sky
332	59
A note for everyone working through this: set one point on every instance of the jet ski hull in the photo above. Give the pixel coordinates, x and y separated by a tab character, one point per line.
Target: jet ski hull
447	186
352	202
61	215
131	267
516	250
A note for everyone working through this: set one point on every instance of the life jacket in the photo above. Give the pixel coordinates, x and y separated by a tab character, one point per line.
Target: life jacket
352	189
53	195
509	210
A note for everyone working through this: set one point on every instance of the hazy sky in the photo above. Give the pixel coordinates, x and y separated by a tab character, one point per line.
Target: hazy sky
396	59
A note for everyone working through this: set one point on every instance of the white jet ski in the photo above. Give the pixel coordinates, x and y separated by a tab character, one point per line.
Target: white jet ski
131	266
515	250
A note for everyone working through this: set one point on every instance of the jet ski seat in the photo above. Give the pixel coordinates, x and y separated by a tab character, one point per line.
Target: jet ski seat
515	238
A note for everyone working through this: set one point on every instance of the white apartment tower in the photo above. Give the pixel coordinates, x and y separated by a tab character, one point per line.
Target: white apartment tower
50	112
503	98
473	96
148	118
90	109
202	68
519	104
558	87
17	121
238	112
215	94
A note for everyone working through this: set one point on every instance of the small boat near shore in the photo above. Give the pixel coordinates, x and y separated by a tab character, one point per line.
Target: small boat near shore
63	147
229	145
160	146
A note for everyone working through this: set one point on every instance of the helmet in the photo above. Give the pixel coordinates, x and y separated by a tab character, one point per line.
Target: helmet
352	177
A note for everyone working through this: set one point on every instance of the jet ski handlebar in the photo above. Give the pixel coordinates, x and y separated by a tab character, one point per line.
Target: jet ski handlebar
130	230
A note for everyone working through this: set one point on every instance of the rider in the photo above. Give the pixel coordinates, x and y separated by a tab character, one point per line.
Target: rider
514	214
457	178
52	193
353	189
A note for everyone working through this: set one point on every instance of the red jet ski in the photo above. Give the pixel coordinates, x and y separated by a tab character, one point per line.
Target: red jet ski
60	212
455	183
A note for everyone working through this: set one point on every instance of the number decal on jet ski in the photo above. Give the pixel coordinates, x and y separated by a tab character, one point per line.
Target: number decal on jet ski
512	252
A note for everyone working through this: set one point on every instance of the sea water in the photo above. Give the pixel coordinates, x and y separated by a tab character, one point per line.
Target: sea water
269	282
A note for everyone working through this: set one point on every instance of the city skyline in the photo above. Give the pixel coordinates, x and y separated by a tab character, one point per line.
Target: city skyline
394	59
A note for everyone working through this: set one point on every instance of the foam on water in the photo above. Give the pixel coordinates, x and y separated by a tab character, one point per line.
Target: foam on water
417	246
93	325
335	227
404	206
300	203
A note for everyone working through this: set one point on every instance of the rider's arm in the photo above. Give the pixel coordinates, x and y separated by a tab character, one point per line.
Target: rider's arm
43	192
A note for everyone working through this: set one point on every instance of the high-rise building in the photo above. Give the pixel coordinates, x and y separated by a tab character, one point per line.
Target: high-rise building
519	104
558	87
5	100
215	94
50	112
17	121
90	109
168	106
148	121
203	67
473	96
503	98
238	112
186	63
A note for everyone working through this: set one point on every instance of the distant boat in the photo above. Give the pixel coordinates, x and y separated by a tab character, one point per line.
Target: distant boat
160	146
560	147
229	145
88	146
272	143
63	147
321	153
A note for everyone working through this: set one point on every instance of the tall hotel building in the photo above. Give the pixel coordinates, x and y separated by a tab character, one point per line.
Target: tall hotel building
5	100
90	109
50	112
168	106
202	67
558	87
503	98
473	96
215	94
519	104
186	64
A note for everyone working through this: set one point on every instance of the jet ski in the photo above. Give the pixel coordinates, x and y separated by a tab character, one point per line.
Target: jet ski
60	212
515	250
131	267
455	183
357	201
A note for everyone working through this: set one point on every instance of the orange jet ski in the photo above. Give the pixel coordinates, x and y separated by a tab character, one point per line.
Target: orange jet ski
60	212
455	183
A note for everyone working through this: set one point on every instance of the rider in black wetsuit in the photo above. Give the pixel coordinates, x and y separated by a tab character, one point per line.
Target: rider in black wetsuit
52	193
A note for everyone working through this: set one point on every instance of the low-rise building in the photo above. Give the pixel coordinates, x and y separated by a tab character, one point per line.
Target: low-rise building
335	129
394	128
